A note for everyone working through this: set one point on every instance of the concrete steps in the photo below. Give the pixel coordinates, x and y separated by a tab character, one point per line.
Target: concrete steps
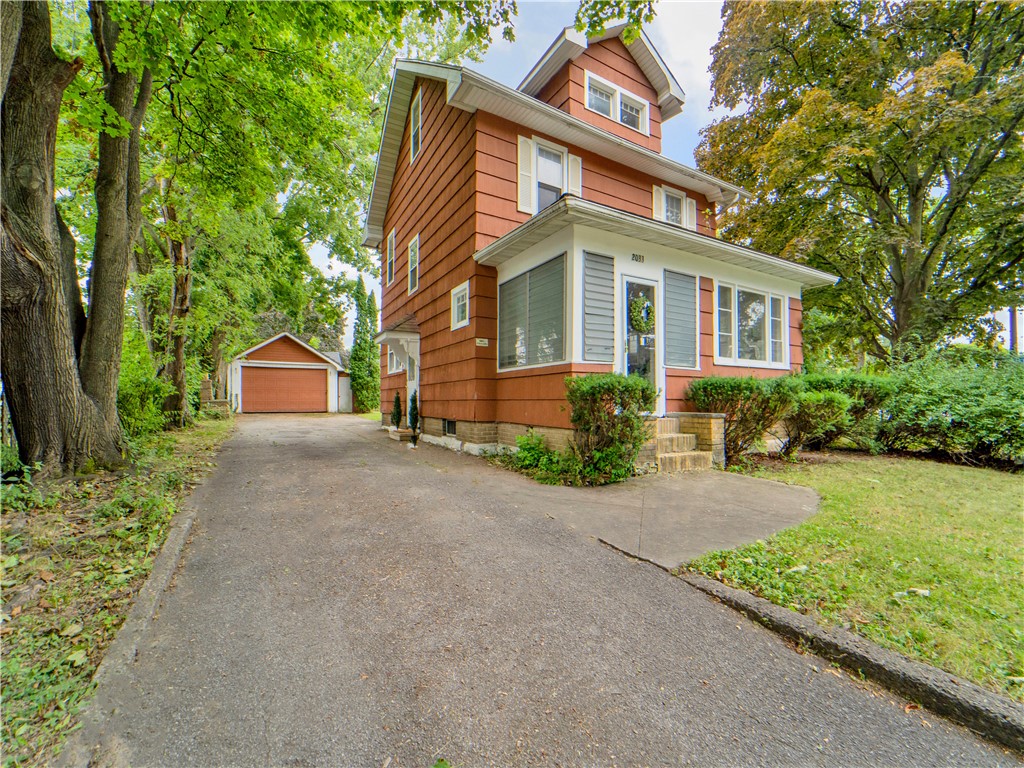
672	450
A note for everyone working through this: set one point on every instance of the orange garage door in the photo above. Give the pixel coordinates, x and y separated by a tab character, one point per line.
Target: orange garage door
284	390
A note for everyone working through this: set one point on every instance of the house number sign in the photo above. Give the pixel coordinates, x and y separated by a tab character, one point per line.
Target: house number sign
638	258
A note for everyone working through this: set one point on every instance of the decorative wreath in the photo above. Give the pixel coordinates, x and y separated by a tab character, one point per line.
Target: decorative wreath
641	314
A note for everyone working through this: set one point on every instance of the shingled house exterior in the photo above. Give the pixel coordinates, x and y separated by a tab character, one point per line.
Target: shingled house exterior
535	233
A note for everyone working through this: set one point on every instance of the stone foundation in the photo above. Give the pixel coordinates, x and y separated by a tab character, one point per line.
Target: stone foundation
555	438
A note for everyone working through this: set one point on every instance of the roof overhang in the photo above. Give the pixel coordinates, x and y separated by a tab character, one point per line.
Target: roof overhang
334	364
470	91
572	210
570	44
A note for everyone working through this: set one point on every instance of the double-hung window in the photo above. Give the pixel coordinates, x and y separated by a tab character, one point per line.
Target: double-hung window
617	104
414	263
531	316
460	306
416	126
546	171
751	326
675	207
389	255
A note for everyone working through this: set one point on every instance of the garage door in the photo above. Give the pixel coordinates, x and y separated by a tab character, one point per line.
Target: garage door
284	390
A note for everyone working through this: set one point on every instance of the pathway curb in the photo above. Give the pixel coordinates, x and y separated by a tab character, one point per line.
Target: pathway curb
984	712
86	742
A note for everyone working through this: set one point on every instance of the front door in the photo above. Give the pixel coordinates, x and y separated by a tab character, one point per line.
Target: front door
641	324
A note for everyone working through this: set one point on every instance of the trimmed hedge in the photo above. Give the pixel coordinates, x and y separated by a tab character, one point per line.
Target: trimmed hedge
815	415
867	395
751	406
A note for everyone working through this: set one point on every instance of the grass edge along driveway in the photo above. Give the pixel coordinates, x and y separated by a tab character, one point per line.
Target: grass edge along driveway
921	557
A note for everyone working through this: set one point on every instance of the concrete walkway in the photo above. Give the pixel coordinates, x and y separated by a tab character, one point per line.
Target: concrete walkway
348	602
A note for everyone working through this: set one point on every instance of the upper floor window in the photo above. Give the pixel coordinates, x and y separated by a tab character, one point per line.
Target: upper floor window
675	207
460	306
415	125
414	263
751	326
617	104
389	268
546	171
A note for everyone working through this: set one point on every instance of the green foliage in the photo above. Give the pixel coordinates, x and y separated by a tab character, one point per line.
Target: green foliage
815	415
751	406
887	526
610	426
965	402
414	416
534	458
9	459
364	362
396	411
867	393
881	142
140	392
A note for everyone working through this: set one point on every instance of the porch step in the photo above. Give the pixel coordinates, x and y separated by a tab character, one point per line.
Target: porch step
676	442
684	461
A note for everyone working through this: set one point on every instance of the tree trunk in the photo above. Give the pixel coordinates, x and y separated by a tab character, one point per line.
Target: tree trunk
176	404
56	422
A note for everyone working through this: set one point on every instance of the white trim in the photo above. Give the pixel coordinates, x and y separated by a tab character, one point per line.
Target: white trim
282	364
389	259
618	93
659	328
298	341
455	292
410	289
416	113
736	361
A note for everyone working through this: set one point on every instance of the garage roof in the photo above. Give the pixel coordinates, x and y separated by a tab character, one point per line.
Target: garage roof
336	364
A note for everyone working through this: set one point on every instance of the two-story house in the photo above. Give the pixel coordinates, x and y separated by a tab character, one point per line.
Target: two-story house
535	233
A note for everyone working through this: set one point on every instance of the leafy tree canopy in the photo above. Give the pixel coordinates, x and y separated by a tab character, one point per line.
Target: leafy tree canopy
882	142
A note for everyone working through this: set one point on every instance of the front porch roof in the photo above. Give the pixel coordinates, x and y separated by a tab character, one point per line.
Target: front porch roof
573	210
403	329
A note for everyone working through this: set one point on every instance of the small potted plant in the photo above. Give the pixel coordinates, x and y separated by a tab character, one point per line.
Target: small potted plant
414	419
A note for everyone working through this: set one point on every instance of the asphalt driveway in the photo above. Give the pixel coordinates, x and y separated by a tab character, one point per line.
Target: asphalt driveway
347	602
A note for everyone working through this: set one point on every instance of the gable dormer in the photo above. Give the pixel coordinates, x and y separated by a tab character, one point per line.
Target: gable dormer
625	90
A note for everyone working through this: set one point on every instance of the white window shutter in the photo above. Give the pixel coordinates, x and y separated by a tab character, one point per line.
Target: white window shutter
691	213
527	191
658	205
575	176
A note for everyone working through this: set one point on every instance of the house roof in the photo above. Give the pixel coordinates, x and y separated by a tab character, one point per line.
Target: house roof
471	91
573	210
327	357
570	44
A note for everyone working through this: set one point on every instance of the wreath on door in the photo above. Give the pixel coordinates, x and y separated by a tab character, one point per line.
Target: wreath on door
641	314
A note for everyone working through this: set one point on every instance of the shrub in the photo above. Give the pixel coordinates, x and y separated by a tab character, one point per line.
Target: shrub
140	392
414	416
867	395
964	402
751	406
610	426
396	411
815	414
535	459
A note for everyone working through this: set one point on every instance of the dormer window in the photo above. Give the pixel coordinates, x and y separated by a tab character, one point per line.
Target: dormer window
617	104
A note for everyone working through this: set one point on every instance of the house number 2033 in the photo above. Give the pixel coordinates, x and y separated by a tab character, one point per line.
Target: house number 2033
638	258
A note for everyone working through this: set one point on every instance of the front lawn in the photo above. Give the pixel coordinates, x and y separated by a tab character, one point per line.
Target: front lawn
370	415
74	557
921	557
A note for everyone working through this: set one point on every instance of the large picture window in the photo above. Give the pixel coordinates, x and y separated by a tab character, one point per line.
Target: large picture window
751	327
531	316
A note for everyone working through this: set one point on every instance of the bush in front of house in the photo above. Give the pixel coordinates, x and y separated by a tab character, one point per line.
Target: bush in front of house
814	416
396	411
751	406
867	394
609	418
965	402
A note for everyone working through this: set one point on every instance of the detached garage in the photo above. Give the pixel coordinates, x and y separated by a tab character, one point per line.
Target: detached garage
286	375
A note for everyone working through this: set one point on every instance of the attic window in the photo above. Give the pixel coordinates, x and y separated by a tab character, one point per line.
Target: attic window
617	104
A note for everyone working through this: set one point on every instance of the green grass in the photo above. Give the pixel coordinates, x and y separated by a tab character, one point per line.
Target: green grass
887	526
371	416
74	557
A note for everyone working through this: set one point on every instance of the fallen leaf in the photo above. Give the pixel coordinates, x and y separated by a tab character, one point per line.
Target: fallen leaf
910	707
46	576
15	611
71	630
78	658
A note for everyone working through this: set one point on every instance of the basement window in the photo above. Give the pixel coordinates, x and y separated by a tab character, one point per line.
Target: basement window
448	427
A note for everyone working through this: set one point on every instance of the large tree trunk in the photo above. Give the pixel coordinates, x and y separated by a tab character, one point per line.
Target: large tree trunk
56	422
176	404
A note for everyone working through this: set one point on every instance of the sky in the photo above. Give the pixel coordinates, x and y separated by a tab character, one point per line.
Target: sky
683	32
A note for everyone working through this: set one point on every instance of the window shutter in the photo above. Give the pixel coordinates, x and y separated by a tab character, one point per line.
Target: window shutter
527	188
680	320
575	176
545	334
658	206
598	308
690	213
